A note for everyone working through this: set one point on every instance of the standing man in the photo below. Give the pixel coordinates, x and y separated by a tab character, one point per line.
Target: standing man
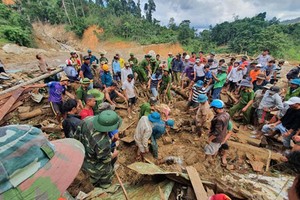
177	69
133	59
264	58
293	90
220	80
165	88
93	59
102	58
87	111
72	120
204	115
74	61
218	129
81	92
106	77
128	90
199	71
125	72
94	135
85	70
116	68
170	59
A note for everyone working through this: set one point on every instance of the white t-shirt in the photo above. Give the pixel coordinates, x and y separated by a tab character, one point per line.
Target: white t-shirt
199	70
124	73
129	87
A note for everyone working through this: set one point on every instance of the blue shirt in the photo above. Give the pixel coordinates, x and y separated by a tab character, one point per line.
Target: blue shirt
154	80
93	58
106	79
116	66
87	72
56	90
159	128
269	69
208	75
70	71
177	65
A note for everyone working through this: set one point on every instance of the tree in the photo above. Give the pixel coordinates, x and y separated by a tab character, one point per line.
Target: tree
149	8
172	24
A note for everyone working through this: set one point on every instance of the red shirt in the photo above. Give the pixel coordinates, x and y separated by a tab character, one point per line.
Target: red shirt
86	113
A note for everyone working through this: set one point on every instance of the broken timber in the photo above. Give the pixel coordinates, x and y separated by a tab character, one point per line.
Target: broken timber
31	81
196	183
9	103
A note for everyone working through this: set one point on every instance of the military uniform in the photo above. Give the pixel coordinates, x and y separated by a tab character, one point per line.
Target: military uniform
246	96
142	70
97	160
134	60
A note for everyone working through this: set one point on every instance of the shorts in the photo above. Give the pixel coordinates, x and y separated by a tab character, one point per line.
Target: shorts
199	78
131	101
212	148
56	108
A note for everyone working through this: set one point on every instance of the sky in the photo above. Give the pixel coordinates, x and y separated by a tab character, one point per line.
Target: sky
203	13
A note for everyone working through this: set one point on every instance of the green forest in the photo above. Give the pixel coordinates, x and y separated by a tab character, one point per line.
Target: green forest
131	21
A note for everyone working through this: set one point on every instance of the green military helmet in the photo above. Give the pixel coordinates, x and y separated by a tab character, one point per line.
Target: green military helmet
107	121
85	81
99	96
131	54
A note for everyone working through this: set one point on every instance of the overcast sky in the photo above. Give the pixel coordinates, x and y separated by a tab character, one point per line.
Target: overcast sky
203	13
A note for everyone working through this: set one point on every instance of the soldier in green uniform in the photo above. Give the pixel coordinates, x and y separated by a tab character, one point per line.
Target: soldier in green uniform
93	134
166	85
144	69
103	58
154	65
133	59
245	103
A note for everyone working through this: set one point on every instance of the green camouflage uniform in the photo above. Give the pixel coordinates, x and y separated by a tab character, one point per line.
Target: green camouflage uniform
103	59
97	160
141	70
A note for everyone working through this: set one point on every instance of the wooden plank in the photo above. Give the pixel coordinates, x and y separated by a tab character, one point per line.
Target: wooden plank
196	183
4	96
6	118
5	108
15	106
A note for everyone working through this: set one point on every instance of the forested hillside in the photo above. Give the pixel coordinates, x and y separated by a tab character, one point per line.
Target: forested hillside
128	20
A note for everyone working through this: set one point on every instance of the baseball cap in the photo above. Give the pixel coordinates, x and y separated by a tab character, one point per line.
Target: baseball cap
293	100
40	169
86	58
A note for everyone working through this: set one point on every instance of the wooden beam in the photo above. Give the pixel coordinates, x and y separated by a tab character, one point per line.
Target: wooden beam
30	82
196	183
7	106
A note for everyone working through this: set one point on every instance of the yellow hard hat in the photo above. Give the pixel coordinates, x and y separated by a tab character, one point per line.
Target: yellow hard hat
105	67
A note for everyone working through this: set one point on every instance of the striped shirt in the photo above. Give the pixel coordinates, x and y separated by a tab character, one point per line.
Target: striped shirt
196	92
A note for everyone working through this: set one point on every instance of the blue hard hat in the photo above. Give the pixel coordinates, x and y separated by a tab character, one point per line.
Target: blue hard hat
295	81
170	122
154	117
202	98
199	83
217	103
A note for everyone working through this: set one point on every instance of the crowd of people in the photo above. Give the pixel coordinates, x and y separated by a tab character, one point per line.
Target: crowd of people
260	105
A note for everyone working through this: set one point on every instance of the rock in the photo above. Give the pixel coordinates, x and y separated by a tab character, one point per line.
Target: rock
16	49
23	109
230	167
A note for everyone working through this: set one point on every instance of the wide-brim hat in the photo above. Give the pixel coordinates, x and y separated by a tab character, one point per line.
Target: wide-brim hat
199	83
99	96
295	81
85	81
154	117
245	83
64	78
202	98
107	121
261	76
53	179
268	86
